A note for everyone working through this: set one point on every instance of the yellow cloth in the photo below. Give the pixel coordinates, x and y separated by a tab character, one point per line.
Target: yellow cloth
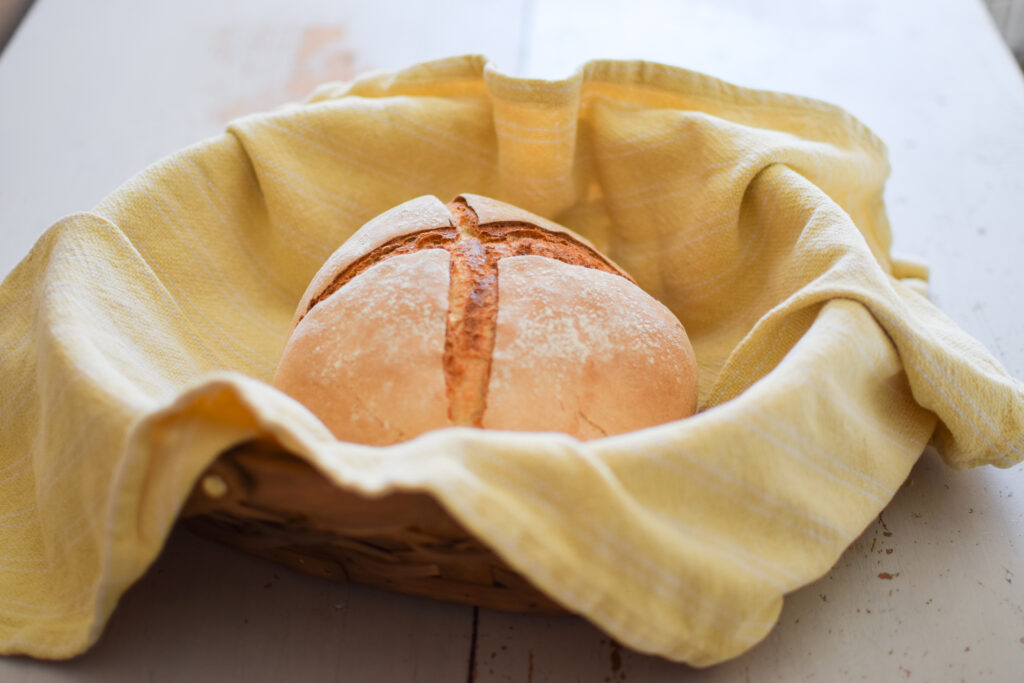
137	340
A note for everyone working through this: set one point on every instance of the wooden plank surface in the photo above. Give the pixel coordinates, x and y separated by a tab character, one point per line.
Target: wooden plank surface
89	96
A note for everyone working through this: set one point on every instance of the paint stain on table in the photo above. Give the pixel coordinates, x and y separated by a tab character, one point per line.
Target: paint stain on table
885	528
323	54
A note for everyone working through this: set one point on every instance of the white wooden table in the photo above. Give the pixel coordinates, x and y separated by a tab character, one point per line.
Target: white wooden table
92	92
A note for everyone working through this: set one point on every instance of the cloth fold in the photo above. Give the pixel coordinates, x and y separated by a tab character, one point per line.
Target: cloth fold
137	340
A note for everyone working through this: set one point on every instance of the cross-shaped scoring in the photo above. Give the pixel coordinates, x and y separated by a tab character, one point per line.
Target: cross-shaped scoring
406	329
474	250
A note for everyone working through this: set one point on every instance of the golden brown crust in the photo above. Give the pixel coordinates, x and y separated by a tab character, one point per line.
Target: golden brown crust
416	215
473	298
367	359
472	307
406	244
580	351
486	242
494	215
404	229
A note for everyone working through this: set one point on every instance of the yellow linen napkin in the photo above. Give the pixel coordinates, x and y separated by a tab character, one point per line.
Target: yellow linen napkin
137	339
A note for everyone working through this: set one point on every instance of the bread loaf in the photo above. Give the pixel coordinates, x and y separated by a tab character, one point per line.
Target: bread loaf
477	313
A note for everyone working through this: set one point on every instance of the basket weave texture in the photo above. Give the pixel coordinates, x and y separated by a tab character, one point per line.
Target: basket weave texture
263	500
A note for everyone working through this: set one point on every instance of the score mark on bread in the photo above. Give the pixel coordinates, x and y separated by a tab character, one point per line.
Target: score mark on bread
540	331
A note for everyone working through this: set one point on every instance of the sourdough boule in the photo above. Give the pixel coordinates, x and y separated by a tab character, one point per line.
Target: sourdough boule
478	313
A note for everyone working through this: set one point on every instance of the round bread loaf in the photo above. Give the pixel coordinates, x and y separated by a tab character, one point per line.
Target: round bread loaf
478	313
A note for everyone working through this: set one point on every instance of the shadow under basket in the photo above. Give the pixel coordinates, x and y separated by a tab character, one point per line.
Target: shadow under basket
263	500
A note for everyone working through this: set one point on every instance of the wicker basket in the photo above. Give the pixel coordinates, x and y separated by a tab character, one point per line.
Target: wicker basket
261	499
